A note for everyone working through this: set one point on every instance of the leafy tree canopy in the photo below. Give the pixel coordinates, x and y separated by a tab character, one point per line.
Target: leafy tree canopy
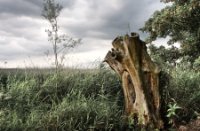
164	55
180	21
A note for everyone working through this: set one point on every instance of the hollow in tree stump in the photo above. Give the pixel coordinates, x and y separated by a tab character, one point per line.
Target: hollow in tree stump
140	79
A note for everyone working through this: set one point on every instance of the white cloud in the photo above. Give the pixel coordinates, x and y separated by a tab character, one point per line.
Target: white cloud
97	22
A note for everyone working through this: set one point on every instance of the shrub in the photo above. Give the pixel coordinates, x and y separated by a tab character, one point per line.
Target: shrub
184	89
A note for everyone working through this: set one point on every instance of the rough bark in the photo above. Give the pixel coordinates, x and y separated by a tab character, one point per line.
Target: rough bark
140	79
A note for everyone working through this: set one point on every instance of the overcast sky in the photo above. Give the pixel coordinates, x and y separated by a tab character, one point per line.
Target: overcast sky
23	39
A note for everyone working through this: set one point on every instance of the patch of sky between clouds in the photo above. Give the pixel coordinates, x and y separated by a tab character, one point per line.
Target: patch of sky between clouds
163	42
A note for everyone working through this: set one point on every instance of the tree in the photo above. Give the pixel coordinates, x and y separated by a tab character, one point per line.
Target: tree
164	56
181	22
140	79
51	11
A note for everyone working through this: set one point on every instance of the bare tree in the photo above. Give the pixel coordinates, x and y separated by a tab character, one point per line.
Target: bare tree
60	42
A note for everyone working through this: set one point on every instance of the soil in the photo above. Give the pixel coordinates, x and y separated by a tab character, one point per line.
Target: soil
194	125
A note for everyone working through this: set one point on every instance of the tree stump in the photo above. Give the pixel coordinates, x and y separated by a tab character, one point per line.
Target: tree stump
140	79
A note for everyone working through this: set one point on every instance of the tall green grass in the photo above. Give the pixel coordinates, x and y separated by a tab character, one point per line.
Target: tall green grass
181	86
83	100
185	91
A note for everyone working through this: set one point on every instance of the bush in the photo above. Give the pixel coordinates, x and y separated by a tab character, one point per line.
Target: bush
184	89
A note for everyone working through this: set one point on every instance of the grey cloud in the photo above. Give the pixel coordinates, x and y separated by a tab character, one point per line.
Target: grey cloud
31	8
64	3
21	26
19	7
96	21
113	22
38	3
13	50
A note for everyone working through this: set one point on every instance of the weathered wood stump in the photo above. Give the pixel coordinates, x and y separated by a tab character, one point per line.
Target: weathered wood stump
140	79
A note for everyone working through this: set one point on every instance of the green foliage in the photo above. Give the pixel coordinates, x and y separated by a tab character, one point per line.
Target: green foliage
51	10
187	82
180	86
180	21
171	112
180	76
85	99
165	57
82	100
197	63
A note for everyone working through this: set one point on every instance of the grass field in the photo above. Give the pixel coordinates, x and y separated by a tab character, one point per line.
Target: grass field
82	99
